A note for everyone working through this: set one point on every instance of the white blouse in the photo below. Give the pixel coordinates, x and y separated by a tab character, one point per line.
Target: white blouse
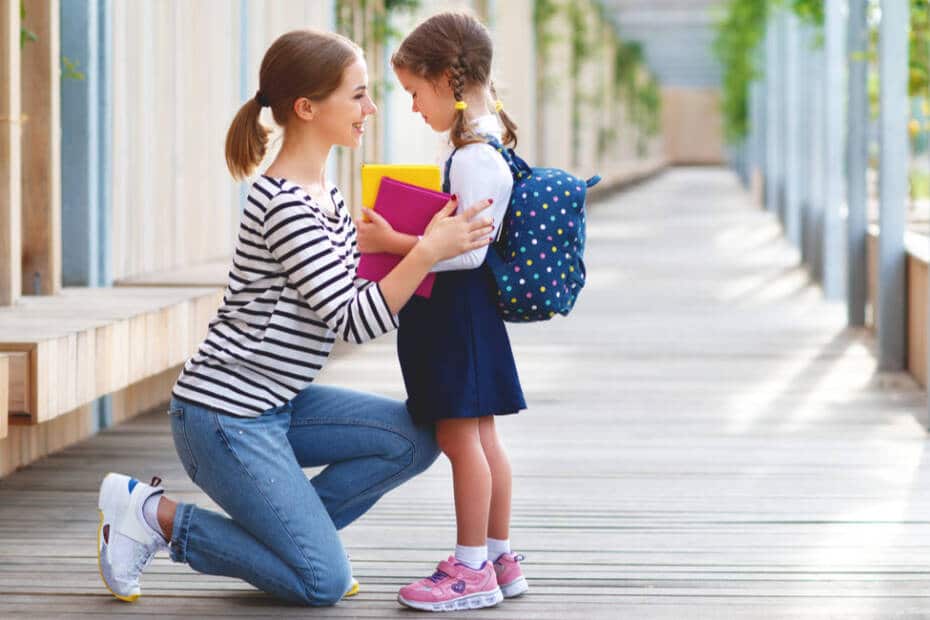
478	172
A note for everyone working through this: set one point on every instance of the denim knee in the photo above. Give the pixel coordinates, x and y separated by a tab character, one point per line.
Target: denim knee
425	449
328	583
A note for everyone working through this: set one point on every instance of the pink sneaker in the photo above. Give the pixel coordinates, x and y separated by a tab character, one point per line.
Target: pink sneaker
509	576
453	586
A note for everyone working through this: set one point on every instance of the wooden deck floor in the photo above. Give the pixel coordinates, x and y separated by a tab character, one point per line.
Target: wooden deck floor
705	440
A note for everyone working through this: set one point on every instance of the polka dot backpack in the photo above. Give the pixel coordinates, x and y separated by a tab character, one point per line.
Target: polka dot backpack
538	260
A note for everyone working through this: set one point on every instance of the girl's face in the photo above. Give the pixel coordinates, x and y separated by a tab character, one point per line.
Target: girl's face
434	101
342	115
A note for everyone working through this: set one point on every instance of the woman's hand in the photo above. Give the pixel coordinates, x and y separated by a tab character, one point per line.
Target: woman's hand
450	235
374	233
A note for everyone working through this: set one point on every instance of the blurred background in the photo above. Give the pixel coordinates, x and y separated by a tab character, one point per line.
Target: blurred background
118	216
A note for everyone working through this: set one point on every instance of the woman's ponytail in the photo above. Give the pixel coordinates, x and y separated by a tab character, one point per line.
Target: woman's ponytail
246	141
301	63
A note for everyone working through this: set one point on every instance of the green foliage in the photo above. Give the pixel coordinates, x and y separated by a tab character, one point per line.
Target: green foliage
810	11
919	74
381	30
632	80
69	69
379	33
582	43
25	35
740	29
544	11
627	58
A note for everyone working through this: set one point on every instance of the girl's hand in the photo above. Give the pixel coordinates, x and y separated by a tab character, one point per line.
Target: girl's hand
450	235
374	232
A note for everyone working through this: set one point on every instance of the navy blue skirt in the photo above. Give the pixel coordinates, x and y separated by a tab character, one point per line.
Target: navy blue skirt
454	351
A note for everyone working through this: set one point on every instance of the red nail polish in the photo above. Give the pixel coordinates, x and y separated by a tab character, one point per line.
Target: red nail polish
454	197
490	201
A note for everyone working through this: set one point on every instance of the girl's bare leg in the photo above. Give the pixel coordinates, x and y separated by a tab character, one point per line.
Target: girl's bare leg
501	479
471	478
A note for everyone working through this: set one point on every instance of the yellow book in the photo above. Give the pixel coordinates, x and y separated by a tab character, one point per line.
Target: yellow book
423	175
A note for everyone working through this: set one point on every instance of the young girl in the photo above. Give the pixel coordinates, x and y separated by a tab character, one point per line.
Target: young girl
246	416
454	352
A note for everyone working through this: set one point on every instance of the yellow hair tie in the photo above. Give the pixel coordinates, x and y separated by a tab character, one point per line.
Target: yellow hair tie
498	105
461	105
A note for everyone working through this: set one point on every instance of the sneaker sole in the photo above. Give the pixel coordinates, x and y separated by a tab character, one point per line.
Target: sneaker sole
107	482
515	588
472	601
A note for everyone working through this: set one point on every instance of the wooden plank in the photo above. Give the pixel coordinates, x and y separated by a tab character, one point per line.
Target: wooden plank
4	394
27	443
18	393
871	278
41	101
917	296
10	156
211	273
721	450
85	343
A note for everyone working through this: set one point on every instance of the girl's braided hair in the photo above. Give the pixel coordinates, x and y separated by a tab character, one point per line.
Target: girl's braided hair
459	45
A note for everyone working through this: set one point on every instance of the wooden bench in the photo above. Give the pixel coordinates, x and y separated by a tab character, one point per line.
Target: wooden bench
69	349
210	273
60	353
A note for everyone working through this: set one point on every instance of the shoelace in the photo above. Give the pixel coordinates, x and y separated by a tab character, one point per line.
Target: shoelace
438	576
142	560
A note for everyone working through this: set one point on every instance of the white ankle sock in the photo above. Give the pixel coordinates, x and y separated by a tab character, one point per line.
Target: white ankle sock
472	557
150	513
496	547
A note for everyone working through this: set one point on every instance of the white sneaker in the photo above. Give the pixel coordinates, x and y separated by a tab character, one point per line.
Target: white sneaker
126	544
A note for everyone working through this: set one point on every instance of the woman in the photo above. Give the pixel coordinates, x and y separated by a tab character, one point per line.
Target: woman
244	414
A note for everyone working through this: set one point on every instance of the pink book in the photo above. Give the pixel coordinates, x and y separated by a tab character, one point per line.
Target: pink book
409	209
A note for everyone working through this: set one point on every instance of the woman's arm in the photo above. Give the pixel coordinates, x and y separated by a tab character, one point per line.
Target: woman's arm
315	267
447	235
375	234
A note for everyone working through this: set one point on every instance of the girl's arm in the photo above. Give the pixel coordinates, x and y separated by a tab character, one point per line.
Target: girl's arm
478	171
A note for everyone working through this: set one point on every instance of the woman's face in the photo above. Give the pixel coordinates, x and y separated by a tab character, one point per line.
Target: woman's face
434	101
342	115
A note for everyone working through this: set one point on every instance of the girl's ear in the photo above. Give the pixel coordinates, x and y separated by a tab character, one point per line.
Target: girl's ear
443	84
304	109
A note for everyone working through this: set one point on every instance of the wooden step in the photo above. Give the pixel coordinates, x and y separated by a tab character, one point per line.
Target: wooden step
4	393
85	343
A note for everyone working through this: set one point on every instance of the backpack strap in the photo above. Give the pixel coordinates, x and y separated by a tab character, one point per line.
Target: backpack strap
518	167
446	181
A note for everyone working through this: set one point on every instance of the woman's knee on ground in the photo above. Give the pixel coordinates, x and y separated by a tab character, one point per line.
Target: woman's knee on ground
326	584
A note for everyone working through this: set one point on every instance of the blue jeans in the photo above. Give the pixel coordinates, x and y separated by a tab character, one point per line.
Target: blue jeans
282	536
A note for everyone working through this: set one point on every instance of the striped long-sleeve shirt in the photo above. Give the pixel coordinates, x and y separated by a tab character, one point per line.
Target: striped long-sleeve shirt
292	290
